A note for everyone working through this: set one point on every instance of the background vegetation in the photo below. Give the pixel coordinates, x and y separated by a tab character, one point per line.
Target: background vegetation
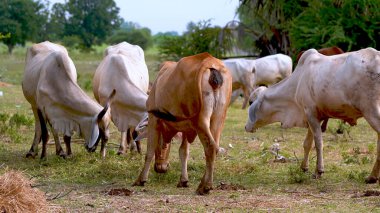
264	27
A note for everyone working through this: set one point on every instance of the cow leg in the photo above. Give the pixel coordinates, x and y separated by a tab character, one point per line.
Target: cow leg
37	136
374	176
123	144
138	143
184	155
131	142
153	141
246	97
374	121
210	149
67	140
307	144
103	144
58	148
314	126
44	134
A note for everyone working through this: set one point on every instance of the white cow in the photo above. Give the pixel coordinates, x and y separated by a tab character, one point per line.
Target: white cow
242	77
248	74
345	86
50	87
123	69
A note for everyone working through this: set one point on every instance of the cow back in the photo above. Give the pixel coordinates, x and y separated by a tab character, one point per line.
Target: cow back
177	89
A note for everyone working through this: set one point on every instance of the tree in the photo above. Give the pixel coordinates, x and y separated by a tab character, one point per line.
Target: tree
266	22
350	24
57	22
199	37
92	20
133	34
22	19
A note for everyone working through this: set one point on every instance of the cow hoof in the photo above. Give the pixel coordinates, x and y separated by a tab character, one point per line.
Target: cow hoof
31	155
203	190
371	180
62	155
120	153
183	184
305	169
138	183
318	174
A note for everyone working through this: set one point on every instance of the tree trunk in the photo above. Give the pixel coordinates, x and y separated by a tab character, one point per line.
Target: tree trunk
10	48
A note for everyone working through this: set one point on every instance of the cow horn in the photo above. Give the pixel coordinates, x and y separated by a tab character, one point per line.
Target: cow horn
108	103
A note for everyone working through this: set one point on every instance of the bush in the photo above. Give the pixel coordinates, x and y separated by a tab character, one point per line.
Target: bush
297	175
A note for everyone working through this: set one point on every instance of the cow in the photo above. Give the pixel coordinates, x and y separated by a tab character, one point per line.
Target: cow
123	68
242	77
190	96
248	74
50	86
344	86
325	51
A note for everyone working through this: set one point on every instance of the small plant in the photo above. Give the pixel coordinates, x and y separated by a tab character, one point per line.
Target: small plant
358	176
18	120
371	147
3	118
349	158
297	175
9	126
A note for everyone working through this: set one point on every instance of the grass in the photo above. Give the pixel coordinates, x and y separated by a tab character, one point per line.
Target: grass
269	185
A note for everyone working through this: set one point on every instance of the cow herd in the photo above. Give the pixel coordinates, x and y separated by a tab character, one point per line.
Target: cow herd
189	98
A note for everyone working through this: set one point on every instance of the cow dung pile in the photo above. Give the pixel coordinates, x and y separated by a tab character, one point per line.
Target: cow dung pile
17	194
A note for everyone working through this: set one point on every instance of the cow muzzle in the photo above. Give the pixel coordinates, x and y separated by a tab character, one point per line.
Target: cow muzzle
92	149
249	128
161	167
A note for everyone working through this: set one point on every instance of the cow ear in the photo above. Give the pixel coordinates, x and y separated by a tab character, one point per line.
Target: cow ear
94	133
108	103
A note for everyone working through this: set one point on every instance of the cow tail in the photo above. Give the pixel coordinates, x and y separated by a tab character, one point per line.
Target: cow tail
163	114
216	79
108	103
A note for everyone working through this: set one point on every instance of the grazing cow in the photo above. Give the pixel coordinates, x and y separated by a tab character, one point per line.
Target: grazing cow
242	77
248	74
123	69
50	86
325	51
190	96
345	86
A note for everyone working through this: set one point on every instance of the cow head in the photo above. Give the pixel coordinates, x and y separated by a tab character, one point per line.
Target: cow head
161	164
256	112
99	126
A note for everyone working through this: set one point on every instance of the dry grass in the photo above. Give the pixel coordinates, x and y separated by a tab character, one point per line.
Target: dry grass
18	195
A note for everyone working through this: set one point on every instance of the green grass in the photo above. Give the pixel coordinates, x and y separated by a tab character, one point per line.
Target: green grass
270	186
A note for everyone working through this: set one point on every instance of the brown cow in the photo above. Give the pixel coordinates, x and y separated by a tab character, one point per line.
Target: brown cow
190	96
325	51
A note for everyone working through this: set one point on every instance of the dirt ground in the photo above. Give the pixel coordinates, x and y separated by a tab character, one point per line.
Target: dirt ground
227	198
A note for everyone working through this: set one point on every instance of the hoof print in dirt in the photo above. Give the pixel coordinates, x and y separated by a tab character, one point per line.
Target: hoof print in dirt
229	187
120	192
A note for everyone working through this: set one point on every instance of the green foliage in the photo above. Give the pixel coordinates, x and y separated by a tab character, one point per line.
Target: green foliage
57	23
351	25
297	175
21	19
10	125
198	38
91	20
357	175
132	34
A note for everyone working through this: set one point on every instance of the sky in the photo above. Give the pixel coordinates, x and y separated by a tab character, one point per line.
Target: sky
174	15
